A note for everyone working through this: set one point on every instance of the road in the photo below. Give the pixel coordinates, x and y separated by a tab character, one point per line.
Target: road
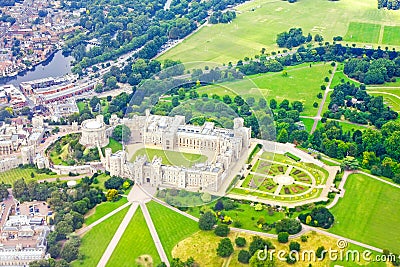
327	90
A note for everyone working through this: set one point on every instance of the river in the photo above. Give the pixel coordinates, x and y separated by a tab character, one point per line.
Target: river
56	65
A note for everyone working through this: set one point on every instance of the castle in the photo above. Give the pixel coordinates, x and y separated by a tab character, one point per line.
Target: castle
171	133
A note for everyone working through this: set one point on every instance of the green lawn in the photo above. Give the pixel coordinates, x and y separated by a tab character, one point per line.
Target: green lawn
308	123
81	105
302	84
113	144
363	33
258	22
171	226
246	214
95	242
391	35
390	97
135	242
339	77
171	157
103	209
366	213
10	176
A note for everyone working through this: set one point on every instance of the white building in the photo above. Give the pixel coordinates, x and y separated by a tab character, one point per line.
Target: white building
94	132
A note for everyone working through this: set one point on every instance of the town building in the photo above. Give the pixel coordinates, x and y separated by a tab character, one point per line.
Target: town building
94	132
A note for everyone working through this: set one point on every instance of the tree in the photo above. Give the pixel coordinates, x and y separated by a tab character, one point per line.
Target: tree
349	164
257	261
258	207
273	104
121	133
225	248
114	182
112	195
3	191
222	230
283	237
283	136
207	221
258	244
94	101
294	246
244	256
19	188
321	252
70	249
291	226
240	241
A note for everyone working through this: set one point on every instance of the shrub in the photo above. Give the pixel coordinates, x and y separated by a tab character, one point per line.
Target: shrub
290	259
244	256
290	226
207	221
225	248
320	253
240	241
237	224
294	246
222	230
304	238
283	237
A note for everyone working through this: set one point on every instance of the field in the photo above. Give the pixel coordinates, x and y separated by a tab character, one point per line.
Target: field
391	97
363	33
308	123
372	219
258	23
391	35
103	209
100	235
204	245
135	242
246	214
171	157
171	226
114	145
10	176
302	83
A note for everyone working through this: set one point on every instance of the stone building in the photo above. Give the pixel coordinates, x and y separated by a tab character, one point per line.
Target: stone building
171	133
94	132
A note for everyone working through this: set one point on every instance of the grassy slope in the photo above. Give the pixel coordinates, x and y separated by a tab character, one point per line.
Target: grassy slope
258	23
103	209
171	157
10	176
366	212
302	84
95	242
136	241
114	145
171	226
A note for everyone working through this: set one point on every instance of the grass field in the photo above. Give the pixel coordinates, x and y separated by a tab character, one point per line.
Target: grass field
202	246
302	83
391	35
308	123
363	33
171	226
10	176
135	242
391	97
372	219
244	213
113	144
171	157
103	209
258	22
95	242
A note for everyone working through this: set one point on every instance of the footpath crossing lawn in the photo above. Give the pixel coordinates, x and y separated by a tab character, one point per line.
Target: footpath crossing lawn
95	242
368	213
103	209
135	242
171	226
